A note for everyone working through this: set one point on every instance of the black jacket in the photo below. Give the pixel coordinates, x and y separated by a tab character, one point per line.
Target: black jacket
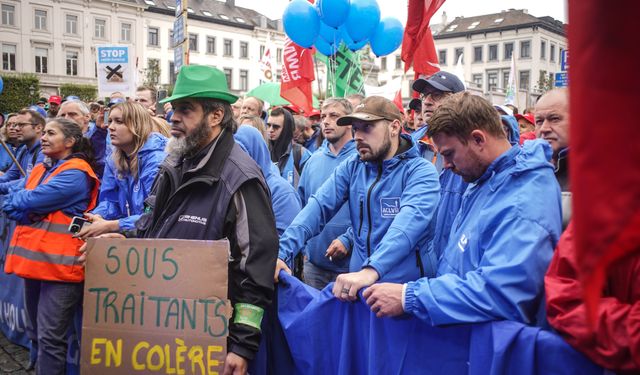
208	197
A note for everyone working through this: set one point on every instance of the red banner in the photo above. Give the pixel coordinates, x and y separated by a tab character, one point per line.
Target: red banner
297	75
418	48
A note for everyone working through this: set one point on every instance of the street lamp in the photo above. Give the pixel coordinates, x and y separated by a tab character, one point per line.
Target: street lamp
32	90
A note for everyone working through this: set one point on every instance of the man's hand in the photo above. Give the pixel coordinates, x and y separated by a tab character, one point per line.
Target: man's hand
235	365
347	285
83	249
97	227
384	299
280	265
336	250
167	107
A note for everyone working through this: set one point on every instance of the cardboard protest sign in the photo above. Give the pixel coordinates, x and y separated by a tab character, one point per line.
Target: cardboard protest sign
115	70
155	307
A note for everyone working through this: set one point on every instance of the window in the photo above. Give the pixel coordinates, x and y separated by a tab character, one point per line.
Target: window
493	52
99	30
477	54
42	55
72	63
8	57
543	50
262	49
525	49
244	50
279	55
505	79
71	24
492	81
524	80
458	53
193	42
398	62
508	51
172	73
40	21
477	80
279	75
152	36
383	63
552	53
125	32
228	47
211	45
244	80
8	15
442	57
228	72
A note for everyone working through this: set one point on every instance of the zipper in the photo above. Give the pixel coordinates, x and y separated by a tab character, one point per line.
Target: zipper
369	208
419	263
361	216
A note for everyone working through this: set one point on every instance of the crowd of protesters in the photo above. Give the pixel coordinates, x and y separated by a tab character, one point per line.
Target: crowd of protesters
457	213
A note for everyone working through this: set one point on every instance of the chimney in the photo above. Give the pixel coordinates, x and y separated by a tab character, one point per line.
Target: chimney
231	3
444	18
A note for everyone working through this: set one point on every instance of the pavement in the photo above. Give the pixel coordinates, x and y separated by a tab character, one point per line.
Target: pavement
13	358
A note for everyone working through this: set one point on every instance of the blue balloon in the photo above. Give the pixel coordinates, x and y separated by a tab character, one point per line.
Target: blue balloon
301	23
1	85
388	36
346	38
330	34
327	49
364	16
333	12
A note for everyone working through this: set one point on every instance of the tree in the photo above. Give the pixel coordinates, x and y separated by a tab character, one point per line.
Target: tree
152	73
20	90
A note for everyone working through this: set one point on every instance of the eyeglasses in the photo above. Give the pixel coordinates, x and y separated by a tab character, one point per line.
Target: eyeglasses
435	95
19	124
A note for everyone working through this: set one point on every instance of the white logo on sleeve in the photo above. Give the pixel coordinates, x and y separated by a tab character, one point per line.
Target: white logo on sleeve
192	219
389	207
462	243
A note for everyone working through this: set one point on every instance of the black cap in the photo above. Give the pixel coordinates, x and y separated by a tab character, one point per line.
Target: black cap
415	104
441	81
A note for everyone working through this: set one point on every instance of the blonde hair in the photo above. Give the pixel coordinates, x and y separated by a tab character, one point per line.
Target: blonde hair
256	122
140	123
161	126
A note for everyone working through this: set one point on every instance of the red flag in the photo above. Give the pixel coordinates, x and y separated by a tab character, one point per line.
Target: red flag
397	100
418	48
297	75
605	157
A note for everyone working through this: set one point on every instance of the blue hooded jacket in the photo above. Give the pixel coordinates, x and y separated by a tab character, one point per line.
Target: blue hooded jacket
13	178
318	170
391	205
514	129
284	199
123	198
499	247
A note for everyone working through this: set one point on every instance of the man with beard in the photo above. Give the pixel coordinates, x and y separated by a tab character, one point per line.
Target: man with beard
391	194
504	234
207	176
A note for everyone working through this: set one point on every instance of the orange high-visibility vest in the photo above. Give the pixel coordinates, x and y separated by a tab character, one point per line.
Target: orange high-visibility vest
46	250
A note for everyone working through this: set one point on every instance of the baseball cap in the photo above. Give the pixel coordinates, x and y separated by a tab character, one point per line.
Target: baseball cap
415	104
115	101
373	108
55	99
71	97
441	81
529	117
507	111
42	100
39	109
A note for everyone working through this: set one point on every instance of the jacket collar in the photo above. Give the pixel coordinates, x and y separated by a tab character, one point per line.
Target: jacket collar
410	152
348	147
501	163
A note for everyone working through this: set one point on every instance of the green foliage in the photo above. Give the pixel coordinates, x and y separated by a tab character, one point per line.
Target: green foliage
20	90
87	93
152	73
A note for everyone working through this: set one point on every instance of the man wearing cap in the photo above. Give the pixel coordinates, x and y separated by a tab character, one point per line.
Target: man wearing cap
503	236
207	176
391	194
54	105
527	126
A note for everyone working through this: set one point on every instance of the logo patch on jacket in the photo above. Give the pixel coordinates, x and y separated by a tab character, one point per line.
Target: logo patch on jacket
462	242
389	207
192	219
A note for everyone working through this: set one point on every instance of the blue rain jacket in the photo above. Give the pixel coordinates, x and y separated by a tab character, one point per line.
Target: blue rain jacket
514	130
318	170
122	197
391	205
284	199
499	247
25	157
288	171
5	159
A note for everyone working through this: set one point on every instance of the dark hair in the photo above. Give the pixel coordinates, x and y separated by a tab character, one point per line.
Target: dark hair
36	118
211	105
82	148
461	113
281	145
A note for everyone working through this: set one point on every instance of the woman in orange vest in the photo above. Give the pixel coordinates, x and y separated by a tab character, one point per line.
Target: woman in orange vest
42	249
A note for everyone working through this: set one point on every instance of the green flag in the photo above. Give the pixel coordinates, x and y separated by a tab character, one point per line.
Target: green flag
344	73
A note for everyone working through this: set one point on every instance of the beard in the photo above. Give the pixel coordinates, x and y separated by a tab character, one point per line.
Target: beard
189	145
379	154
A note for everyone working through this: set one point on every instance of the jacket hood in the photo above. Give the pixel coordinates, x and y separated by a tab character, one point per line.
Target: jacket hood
155	142
533	155
252	142
512	124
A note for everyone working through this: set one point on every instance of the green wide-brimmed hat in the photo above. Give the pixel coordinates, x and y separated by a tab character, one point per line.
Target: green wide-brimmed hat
200	81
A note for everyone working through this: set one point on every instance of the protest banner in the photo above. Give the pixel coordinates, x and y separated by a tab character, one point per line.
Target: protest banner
115	70
155	306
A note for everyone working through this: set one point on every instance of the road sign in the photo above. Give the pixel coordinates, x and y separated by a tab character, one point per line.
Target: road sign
178	57
178	30
562	79
564	62
179	7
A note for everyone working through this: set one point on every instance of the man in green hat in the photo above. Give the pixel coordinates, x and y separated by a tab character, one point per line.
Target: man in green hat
204	191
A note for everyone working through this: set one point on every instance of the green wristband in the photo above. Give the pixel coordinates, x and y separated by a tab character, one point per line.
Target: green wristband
249	315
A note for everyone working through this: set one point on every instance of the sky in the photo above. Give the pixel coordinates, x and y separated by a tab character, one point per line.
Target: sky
454	8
